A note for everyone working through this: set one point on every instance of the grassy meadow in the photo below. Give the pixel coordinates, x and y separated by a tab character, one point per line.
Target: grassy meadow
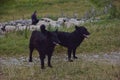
77	70
17	9
104	38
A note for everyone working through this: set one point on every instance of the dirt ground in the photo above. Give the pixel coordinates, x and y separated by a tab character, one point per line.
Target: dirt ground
108	58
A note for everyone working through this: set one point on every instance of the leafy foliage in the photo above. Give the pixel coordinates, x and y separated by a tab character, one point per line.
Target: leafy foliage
100	3
113	11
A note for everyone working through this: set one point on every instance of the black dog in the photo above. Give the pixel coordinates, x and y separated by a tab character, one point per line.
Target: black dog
73	40
44	42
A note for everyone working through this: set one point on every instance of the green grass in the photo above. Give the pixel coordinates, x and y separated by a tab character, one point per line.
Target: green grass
15	9
18	9
14	42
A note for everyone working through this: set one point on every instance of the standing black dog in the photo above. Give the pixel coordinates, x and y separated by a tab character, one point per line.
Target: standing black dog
73	40
44	42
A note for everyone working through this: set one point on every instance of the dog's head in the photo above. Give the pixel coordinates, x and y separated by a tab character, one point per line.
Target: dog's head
82	31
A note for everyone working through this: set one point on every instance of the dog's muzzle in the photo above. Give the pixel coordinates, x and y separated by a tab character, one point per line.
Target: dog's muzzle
55	43
86	36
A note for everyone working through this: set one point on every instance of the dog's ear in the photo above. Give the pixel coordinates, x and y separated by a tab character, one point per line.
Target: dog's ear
76	27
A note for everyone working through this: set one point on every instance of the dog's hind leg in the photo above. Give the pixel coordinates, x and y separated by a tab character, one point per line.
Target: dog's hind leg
49	60
74	52
31	48
42	57
69	55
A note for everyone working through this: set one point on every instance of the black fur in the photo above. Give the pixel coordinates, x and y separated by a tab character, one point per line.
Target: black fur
44	44
72	40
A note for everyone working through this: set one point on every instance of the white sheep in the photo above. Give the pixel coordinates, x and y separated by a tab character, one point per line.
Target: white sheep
10	28
43	23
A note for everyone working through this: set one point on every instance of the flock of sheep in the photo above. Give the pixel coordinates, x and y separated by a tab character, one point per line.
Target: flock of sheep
26	24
